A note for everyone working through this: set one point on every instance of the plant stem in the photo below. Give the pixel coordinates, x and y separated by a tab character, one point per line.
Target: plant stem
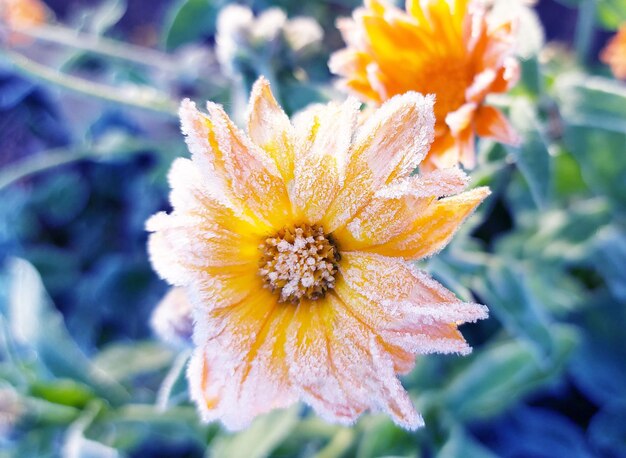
584	29
100	45
55	157
138	97
38	163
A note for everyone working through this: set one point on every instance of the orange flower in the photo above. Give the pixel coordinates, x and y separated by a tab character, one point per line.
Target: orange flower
614	55
452	49
293	244
23	13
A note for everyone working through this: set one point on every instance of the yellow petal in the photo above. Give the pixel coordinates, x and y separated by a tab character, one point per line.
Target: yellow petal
392	211
404	307
432	229
201	232
241	173
270	128
324	141
371	384
390	144
242	372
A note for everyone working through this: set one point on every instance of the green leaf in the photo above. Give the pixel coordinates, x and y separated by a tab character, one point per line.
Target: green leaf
506	293
381	437
124	361
45	412
77	445
568	180
462	445
532	156
190	21
591	101
260	439
36	324
610	259
559	237
611	13
65	392
502	374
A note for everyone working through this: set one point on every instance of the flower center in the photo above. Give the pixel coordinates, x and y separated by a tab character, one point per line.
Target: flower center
299	262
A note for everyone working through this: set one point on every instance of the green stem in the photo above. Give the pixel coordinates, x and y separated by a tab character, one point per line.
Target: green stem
584	29
53	158
339	444
165	391
100	45
38	163
138	97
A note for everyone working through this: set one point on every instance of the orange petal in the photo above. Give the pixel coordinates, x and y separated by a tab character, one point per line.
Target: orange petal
461	119
391	143
270	128
466	143
443	153
253	176
490	122
508	75
481	86
324	140
433	228
349	62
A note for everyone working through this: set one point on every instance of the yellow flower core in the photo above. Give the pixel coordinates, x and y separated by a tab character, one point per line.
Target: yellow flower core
299	261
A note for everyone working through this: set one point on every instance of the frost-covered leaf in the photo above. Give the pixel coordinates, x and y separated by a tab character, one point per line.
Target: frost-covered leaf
36	324
610	259
530	432
190	21
597	366
591	101
105	15
124	361
502	374
76	445
505	291
532	156
381	437
599	154
607	431
461	444
260	439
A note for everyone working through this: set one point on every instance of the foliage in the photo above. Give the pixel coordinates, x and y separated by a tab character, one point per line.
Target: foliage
83	165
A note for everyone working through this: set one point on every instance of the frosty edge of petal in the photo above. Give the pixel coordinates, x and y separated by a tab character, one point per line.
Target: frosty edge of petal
390	145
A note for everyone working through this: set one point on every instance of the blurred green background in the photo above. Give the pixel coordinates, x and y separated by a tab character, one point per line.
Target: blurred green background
88	129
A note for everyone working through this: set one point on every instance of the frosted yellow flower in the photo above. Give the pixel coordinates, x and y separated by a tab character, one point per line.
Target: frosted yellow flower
451	48
614	55
292	242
